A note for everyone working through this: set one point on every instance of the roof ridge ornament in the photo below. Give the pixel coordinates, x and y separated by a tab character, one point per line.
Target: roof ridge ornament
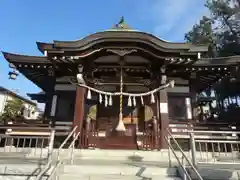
121	23
121	26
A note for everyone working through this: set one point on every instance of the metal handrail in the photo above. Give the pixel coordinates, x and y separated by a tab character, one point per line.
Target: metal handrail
183	154
60	161
69	135
44	170
72	145
75	138
54	170
178	160
65	141
215	132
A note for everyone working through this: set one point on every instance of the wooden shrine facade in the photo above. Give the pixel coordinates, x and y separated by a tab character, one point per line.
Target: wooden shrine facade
144	62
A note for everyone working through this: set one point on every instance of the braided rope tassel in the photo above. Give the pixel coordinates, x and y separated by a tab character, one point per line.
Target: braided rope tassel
120	126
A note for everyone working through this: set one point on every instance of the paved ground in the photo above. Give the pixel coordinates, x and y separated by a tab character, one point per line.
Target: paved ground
6	159
221	166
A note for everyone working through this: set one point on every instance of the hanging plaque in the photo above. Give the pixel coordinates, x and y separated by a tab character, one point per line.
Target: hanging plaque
163	107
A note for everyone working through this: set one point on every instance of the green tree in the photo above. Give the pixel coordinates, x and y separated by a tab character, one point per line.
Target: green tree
226	16
221	31
202	33
13	109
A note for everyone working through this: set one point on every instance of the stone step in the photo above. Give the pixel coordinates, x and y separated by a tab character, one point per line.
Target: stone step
134	155
114	177
21	169
12	155
21	177
119	162
121	169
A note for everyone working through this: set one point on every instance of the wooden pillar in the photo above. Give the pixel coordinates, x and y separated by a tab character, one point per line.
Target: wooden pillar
52	107
155	132
47	107
193	96
79	108
48	104
163	116
188	108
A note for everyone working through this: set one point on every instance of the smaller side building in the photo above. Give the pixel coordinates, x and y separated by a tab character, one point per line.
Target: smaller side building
30	108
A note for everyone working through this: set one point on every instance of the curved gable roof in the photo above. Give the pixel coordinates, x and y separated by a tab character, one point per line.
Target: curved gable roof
121	36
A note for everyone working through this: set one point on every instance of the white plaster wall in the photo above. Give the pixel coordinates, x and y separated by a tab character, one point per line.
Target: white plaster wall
9	98
30	111
4	98
2	102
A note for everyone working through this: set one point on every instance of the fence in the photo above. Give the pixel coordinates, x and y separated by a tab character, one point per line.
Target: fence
23	142
223	147
209	142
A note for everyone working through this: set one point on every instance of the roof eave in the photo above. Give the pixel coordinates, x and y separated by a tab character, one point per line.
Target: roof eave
42	46
10	57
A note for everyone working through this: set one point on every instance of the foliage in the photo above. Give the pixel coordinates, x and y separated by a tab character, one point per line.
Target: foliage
221	31
13	109
202	33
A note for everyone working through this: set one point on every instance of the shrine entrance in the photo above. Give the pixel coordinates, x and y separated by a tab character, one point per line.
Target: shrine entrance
138	122
104	120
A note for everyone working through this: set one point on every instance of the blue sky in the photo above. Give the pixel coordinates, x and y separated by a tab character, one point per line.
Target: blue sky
27	21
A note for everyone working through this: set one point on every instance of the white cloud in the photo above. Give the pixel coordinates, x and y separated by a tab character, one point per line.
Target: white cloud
173	18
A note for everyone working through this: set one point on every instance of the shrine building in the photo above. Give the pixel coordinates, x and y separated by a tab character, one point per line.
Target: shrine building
121	84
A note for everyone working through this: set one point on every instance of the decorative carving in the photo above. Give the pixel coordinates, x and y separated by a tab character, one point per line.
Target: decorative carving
145	81
122	52
193	75
80	68
163	76
51	72
163	79
95	81
163	69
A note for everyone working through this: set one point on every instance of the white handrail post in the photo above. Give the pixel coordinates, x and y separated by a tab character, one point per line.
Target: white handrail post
169	153
51	144
193	149
73	145
184	169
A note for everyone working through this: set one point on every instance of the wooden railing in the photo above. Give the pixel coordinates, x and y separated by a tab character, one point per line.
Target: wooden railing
20	141
145	140
32	126
182	129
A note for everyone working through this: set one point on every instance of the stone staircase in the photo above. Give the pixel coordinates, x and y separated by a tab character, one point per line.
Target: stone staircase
117	164
136	165
117	171
110	165
102	170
